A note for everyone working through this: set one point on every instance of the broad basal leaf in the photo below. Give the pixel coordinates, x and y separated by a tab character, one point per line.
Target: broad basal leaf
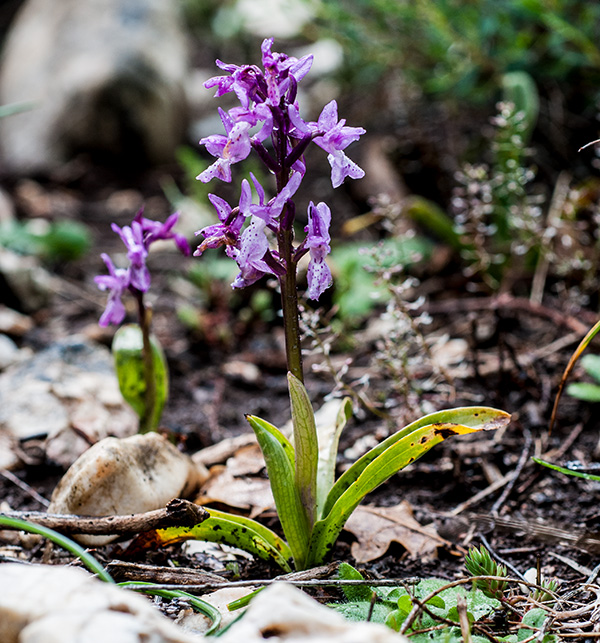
233	530
279	458
380	463
306	447
478	418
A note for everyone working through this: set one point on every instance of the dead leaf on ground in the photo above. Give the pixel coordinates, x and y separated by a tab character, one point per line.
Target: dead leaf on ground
377	527
239	483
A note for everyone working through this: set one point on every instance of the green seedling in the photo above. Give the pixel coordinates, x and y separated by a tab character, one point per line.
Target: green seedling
479	563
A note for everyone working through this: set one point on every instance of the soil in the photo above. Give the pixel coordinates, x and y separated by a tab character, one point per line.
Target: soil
208	401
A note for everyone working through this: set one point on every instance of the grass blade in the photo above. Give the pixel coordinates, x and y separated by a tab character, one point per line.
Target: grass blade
58	539
563	380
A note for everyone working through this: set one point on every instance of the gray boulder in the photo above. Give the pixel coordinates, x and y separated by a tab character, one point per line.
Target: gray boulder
102	76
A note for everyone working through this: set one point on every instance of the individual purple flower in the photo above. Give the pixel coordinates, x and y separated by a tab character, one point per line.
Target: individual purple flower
280	68
155	230
317	241
333	136
227	232
241	80
254	245
116	282
137	251
230	149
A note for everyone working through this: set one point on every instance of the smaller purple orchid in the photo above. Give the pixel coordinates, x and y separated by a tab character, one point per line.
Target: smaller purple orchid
136	277
116	282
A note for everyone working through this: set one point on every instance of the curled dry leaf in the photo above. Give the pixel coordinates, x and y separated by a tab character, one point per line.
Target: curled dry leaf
377	527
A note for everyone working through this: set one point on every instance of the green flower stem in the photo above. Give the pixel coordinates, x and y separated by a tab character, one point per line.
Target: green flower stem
289	305
145	316
62	541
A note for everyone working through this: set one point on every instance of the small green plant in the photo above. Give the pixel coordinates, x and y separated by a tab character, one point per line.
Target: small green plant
479	563
415	610
53	242
312	506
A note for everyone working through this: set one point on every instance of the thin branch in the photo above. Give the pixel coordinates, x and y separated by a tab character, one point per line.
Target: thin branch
177	513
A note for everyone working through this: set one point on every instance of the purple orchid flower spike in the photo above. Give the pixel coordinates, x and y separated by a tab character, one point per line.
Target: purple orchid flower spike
269	110
317	241
116	282
137	237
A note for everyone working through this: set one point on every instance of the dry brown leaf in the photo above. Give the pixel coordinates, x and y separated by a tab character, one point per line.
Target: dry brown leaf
376	527
239	483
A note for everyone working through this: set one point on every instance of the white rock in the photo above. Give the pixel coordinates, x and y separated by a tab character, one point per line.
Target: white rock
124	476
103	75
62	392
66	605
283	613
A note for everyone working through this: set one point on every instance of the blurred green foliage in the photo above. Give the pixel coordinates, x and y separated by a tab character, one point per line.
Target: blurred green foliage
53	242
461	48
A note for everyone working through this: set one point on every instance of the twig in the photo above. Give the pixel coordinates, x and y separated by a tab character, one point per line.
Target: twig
523	460
24	487
512	568
178	512
508	302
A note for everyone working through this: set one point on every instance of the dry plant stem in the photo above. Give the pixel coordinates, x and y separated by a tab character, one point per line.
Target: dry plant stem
127	571
145	316
523	460
24	487
178	512
465	627
508	302
557	204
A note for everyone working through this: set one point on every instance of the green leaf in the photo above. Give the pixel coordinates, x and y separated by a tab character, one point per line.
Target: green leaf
388	458
477	417
520	89
127	349
237	531
279	458
354	593
585	391
329	438
532	623
306	447
591	364
568	472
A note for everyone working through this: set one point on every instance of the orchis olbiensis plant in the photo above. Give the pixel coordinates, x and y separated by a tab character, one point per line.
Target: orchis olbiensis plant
140	363
311	505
